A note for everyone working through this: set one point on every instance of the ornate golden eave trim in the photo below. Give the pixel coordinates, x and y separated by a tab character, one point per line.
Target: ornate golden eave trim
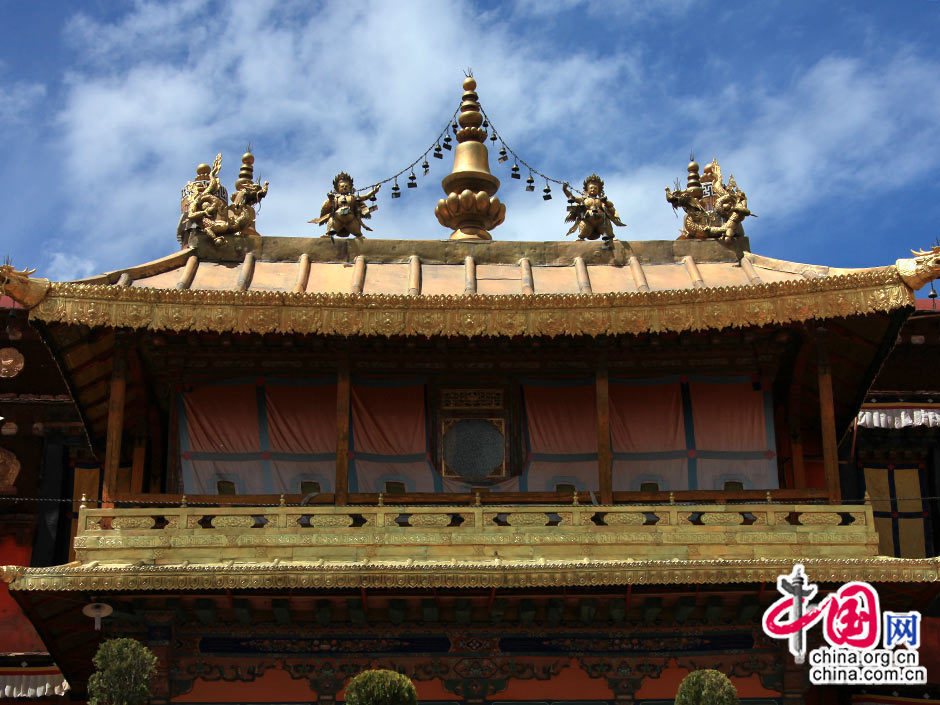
862	292
440	574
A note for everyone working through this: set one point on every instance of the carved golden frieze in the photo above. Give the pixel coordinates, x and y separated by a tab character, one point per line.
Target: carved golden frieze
820	519
331	521
722	518
132	522
426	520
867	291
624	518
445	574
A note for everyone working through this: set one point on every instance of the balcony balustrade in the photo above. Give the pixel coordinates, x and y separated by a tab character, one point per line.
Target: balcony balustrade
359	533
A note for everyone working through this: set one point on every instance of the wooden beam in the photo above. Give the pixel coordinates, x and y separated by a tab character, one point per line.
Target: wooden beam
358	275
604	454
414	275
469	276
115	432
303	273
639	276
342	433
786	496
584	279
214	500
528	285
827	416
247	272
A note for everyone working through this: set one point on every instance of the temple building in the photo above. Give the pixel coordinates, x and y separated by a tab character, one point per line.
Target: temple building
516	471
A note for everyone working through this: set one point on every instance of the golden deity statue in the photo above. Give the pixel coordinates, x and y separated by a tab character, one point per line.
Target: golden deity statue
593	214
344	210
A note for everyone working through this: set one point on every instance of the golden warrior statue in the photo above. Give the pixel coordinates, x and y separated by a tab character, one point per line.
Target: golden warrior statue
593	214
344	210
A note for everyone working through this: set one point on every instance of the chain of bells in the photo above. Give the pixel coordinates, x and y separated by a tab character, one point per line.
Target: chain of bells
444	141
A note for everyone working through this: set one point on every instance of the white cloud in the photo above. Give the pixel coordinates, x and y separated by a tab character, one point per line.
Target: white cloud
631	10
843	132
364	88
17	100
65	266
309	104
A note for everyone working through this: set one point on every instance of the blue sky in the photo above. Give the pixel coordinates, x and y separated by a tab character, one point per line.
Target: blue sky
827	114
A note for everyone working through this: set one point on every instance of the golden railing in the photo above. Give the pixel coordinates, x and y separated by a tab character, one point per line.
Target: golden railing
246	534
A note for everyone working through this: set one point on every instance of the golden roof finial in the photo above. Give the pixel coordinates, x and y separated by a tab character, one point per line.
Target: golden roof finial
470	207
246	174
693	182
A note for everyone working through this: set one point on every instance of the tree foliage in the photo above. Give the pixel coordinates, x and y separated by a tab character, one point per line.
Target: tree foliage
381	687
706	687
123	668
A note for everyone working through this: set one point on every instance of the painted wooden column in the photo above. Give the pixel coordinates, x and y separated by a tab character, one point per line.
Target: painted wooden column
138	460
116	398
795	416
827	416
604	455
341	495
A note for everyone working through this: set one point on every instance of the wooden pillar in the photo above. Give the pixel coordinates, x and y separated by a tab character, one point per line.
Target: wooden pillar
157	448
795	416
112	455
342	433
85	482
138	460
605	480
827	416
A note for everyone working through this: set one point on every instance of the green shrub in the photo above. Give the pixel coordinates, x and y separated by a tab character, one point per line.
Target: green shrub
706	687
123	668
381	687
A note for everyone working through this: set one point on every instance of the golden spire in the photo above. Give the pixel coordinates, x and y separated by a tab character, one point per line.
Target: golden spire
693	182
470	207
246	173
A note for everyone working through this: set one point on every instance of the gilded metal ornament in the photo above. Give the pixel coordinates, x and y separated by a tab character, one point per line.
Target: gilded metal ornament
258	311
471	207
11	362
593	215
9	469
713	209
344	210
922	269
21	287
205	211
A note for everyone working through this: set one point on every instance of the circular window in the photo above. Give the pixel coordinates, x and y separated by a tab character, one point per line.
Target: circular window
474	449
